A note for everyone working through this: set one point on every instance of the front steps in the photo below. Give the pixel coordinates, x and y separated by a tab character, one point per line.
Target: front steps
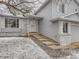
51	47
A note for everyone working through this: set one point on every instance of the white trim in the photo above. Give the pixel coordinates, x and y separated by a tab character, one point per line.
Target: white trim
61	28
64	19
65	28
26	17
69	14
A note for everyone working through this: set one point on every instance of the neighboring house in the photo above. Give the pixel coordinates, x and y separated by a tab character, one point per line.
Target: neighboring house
18	26
61	20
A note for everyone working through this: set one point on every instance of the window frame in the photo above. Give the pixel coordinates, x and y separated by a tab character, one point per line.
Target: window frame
65	28
63	8
8	22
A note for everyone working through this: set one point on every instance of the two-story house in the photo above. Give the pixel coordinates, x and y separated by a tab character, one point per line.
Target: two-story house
61	20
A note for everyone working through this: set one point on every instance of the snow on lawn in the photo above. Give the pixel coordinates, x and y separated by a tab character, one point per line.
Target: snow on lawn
20	48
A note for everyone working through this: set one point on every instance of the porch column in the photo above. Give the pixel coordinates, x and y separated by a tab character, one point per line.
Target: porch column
64	32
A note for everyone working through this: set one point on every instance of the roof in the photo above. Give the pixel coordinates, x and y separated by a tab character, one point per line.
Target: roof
42	6
65	18
28	16
70	14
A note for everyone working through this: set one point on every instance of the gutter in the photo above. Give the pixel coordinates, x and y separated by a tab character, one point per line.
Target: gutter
64	19
27	16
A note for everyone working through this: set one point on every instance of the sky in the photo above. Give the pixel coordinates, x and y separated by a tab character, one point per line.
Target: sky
4	10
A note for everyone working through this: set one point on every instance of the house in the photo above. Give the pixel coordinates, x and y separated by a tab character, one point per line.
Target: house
61	20
18	26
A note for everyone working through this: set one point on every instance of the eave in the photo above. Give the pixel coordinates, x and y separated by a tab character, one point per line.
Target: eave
64	19
27	17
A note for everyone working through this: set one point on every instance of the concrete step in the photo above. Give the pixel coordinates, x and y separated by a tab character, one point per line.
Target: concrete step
50	46
47	43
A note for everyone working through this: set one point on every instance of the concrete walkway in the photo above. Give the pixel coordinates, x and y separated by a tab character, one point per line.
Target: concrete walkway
20	48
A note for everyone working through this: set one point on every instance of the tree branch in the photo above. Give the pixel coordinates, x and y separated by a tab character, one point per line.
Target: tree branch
15	6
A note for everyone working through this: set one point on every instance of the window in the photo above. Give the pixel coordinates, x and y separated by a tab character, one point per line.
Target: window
65	27
12	23
62	8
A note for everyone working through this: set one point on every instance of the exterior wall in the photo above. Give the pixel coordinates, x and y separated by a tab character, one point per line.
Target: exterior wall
33	25
68	7
75	32
24	27
71	7
11	31
46	27
64	38
55	11
74	28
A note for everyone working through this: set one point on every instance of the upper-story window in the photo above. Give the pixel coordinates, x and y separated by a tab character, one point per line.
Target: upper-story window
12	23
61	7
65	27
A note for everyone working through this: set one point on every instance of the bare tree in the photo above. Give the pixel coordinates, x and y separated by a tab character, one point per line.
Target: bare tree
19	6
